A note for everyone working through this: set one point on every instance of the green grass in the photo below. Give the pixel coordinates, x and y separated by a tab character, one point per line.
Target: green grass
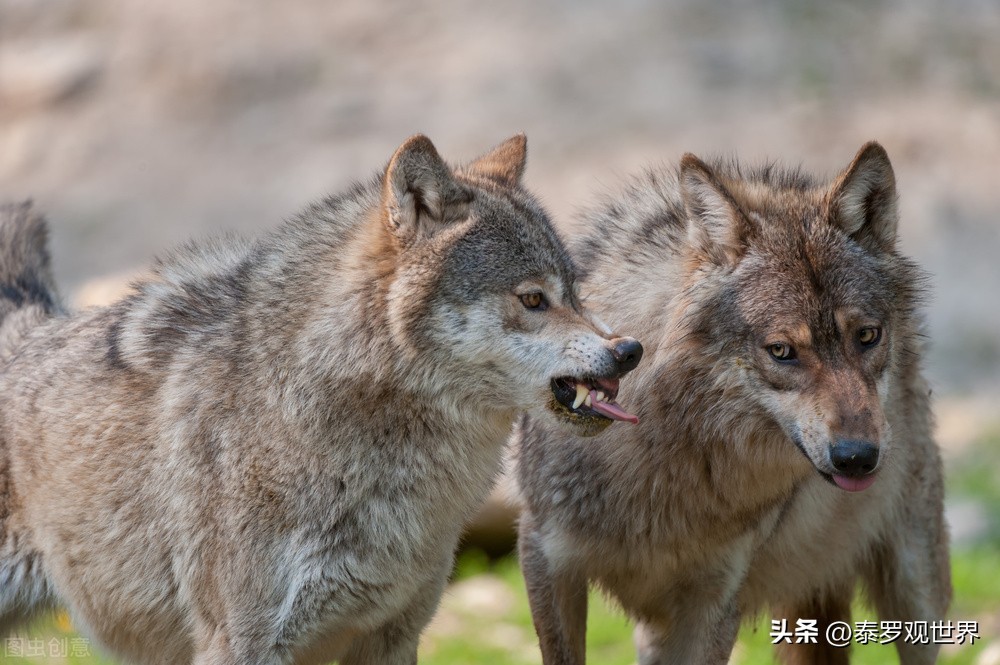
977	592
501	633
56	640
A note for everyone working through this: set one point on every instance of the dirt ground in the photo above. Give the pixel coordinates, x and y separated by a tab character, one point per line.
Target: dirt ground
138	124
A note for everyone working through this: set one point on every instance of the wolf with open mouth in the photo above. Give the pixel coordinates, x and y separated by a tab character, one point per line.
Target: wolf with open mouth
267	453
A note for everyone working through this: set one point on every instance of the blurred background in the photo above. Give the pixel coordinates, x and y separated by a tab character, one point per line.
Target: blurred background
136	125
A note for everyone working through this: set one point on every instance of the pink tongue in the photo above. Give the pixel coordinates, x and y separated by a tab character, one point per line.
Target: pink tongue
854	484
610	410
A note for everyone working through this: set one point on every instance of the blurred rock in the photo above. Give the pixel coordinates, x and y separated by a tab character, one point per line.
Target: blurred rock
484	596
42	73
39	17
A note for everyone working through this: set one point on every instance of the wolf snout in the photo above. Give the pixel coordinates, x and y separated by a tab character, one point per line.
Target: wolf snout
854	459
627	353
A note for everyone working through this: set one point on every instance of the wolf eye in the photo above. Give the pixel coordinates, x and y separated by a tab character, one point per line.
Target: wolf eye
870	336
781	352
534	300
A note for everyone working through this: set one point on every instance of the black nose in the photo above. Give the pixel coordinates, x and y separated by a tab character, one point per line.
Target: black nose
854	458
627	353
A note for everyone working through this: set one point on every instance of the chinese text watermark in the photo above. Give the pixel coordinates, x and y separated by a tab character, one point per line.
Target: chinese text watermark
841	633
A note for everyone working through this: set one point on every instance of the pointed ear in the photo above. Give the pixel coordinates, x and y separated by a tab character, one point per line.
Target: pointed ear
716	225
863	199
504	163
419	192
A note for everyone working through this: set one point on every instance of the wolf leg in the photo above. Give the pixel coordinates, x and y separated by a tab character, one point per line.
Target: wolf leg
910	581
220	648
24	587
698	615
700	634
396	642
386	648
832	607
558	600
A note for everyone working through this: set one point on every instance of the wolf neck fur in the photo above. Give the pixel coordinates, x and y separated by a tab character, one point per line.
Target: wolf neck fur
170	313
683	382
407	358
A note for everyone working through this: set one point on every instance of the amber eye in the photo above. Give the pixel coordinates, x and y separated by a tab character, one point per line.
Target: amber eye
781	352
869	336
533	300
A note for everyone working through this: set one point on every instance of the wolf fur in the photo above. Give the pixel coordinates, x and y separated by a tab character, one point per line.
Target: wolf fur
781	329
266	455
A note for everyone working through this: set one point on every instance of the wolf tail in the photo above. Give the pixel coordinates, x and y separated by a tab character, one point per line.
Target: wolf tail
27	297
27	291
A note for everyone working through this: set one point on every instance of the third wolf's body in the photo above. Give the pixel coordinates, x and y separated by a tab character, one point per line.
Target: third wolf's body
781	379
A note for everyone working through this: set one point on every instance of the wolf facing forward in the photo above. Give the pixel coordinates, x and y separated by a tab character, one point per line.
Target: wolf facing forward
266	455
784	454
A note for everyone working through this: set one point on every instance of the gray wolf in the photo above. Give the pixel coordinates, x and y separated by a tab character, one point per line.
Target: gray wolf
784	454
266	455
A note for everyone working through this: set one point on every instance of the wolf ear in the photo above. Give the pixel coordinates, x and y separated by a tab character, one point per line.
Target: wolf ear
419	191
863	199
504	163
716	225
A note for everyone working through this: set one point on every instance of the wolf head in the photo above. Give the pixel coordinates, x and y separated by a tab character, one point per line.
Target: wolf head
483	284
813	309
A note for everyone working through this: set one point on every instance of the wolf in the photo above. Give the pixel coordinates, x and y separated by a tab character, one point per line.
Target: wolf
784	455
266	454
